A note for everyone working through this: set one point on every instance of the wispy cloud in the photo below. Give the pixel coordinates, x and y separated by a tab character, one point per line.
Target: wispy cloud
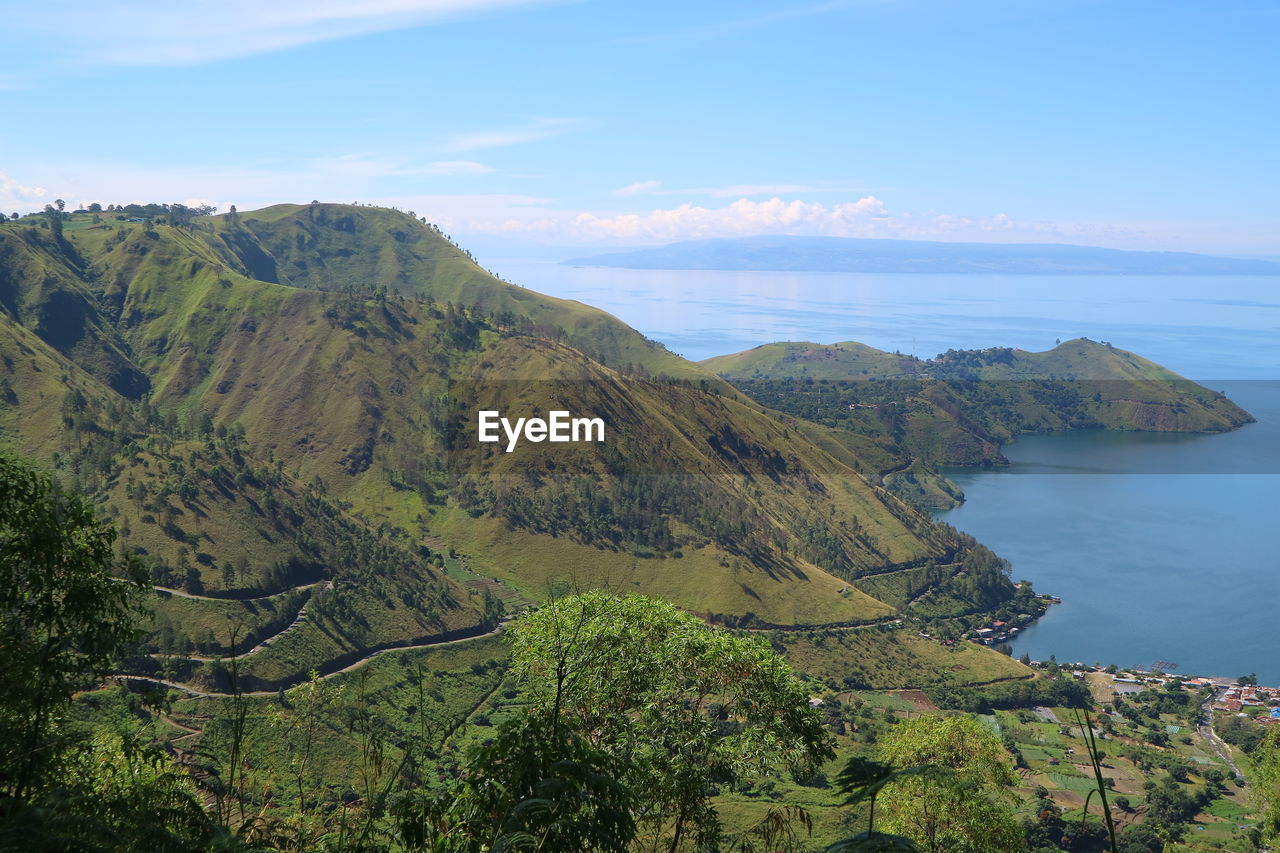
545	220
867	217
164	32
533	131
17	195
639	188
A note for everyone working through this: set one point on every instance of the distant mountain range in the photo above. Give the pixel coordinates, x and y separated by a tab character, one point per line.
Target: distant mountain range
845	254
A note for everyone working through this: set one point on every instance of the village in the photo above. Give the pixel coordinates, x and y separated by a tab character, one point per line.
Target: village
1237	696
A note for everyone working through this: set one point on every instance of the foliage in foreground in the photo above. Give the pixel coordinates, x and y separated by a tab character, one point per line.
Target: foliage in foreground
686	707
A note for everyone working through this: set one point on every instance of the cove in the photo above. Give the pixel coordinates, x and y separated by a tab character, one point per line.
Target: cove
1162	548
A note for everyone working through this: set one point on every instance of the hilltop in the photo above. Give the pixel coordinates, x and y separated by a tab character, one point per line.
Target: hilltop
851	254
912	415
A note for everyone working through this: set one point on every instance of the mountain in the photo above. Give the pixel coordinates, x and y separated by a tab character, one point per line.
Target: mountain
278	409
847	254
908	416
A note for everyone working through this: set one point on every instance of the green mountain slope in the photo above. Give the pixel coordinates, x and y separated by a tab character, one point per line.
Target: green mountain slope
299	430
363	249
911	415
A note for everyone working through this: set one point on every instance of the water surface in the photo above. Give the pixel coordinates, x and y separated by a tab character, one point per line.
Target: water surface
1161	547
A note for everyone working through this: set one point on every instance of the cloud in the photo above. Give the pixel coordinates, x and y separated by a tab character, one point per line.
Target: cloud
164	32
742	217
638	188
547	221
865	217
538	129
14	195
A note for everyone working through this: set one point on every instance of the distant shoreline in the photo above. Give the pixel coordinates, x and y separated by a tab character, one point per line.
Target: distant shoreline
785	253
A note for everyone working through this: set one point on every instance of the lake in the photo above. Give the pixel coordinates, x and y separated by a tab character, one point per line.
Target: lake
1161	547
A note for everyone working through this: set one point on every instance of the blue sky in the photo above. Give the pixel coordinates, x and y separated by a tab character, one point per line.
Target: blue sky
1132	124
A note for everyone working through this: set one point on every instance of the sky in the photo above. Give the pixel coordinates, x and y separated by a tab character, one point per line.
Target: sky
1142	124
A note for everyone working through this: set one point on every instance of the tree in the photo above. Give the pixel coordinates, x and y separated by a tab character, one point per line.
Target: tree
61	205
64	618
1139	838
1267	759
635	678
862	780
54	219
966	812
534	787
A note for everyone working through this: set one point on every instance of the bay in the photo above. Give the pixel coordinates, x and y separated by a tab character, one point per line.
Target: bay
1163	548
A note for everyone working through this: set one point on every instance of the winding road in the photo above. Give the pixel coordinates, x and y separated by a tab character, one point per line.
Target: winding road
1219	746
203	694
223	598
297	621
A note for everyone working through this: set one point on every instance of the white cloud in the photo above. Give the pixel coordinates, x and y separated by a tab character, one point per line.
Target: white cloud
546	221
742	217
866	217
165	32
538	129
20	197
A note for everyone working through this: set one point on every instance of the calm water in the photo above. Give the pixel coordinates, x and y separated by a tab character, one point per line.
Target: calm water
1161	547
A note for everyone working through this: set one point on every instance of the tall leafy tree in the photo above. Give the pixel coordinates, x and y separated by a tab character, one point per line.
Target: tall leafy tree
1267	760
968	810
64	617
534	787
636	678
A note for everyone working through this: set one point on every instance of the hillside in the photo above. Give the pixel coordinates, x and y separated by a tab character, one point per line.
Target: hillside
279	408
851	254
960	407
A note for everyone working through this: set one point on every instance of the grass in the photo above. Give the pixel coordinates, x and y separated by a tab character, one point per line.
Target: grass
417	699
1057	759
705	580
189	624
880	659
